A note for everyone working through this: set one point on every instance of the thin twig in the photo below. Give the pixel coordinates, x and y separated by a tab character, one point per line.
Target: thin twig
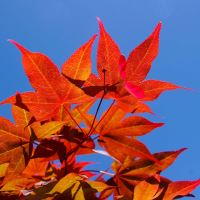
91	128
104	93
74	120
104	115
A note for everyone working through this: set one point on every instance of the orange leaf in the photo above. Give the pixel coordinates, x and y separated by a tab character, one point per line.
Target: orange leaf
17	163
111	118
180	188
144	168
153	88
38	105
120	147
48	129
78	66
135	126
12	138
52	89
43	74
134	90
36	168
141	58
131	171
131	104
21	116
108	55
145	191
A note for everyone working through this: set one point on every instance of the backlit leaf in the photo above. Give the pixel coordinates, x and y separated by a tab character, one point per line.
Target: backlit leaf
141	58
78	66
49	129
65	183
180	188
11	139
145	191
153	88
120	147
108	55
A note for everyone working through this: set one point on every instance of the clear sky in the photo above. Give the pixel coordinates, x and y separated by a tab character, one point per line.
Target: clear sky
58	27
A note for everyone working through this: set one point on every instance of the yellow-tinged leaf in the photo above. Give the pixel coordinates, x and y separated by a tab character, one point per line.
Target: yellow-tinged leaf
131	172
11	138
3	169
17	163
86	190
145	191
144	168
99	186
16	185
21	116
49	129
77	192
65	183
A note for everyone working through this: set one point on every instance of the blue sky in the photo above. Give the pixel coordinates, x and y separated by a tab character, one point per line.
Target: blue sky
58	27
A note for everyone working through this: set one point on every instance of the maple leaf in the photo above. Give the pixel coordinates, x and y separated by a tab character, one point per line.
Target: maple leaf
38	153
50	149
114	121
48	129
135	69
120	147
76	139
108	55
131	172
3	169
13	138
16	144
52	89
180	188
74	187
17	163
36	167
17	156
145	191
113	132
124	80
78	66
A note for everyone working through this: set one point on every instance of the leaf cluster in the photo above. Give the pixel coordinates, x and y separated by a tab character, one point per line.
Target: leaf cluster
38	151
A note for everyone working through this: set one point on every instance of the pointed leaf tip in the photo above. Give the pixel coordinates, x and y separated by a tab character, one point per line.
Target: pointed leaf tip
99	20
182	149
158	27
160	24
19	46
10	40
101	26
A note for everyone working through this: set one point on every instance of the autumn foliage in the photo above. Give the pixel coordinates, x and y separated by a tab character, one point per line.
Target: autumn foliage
53	124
